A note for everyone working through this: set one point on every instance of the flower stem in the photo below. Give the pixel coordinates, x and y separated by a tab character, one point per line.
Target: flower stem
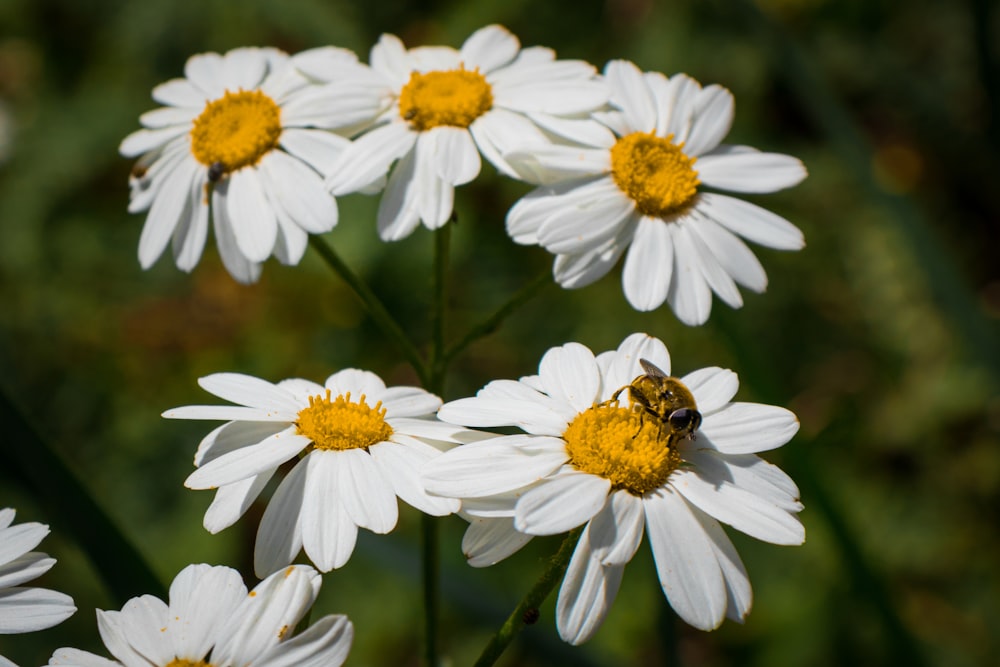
431	577
438	362
550	577
491	323
375	308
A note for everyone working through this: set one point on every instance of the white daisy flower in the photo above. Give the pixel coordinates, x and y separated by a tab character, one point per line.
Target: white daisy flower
363	444
592	456
246	135
451	105
211	621
26	609
638	185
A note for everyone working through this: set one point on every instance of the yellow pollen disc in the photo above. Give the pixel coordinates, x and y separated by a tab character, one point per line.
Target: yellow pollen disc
655	173
618	444
453	97
180	662
236	130
339	424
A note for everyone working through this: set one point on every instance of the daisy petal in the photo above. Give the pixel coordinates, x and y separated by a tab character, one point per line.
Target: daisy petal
171	203
751	221
279	536
398	214
685	560
455	158
71	657
569	374
734	255
561	503
364	492
750	172
31	609
249	391
713	116
492	466
325	643
689	294
205	71
232	501
318	149
586	594
22	569
498	131
488	541
409	402
648	265
630	92
616	531
489	48
369	157
739	596
21	539
747	428
624	365
241	268
201	600
263	457
328	532
179	93
254	224
299	191
401	465
712	387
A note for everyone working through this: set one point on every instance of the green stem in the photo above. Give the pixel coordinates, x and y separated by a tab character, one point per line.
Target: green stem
71	510
431	577
533	600
438	363
491	323
375	308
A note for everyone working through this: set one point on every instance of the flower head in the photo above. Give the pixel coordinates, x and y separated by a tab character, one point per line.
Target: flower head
24	609
601	449
639	185
361	444
248	137
450	105
210	620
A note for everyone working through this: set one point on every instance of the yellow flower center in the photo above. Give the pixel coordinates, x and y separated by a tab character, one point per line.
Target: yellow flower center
236	130
339	424
454	97
180	662
616	443
655	173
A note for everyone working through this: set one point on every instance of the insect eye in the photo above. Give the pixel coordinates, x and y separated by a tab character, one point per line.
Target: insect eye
685	420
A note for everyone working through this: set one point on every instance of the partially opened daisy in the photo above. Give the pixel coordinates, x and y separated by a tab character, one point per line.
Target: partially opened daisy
593	455
361	445
451	105
210	620
640	186
244	135
26	609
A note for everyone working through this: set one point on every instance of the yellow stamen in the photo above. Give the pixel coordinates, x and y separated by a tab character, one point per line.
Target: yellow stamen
339	424
181	662
616	443
236	130
453	97
655	173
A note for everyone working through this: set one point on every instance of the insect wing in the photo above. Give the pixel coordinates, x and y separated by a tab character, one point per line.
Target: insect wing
652	369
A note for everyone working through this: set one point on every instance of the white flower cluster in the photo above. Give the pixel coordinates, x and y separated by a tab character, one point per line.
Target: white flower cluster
263	141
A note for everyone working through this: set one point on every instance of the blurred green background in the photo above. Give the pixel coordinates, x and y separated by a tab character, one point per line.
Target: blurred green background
880	335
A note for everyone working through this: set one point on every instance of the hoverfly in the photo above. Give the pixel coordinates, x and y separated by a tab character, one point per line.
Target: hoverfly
665	399
216	171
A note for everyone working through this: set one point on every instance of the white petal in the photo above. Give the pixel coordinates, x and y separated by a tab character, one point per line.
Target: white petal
544	163
409	402
71	657
488	541
569	374
747	428
204	70
489	48
586	594
325	643
689	294
532	416
171	203
493	466
241	268
318	149
561	503
582	227
713	116
366	495
244	68
249	391
434	196
179	93
299	191
712	387
649	265
141	623
454	155
254	223
328	532
616	531
498	131
279	536
713	272
358	383
750	172
739	596
530	212
21	539
584	131
398	213
751	221
228	413
576	270
553	95
142	141
369	157
189	237
324	63
685	561
709	488
389	58
400	466
750	473
630	92
24	568
263	457
201	600
734	255
31	609
232	501
167	116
